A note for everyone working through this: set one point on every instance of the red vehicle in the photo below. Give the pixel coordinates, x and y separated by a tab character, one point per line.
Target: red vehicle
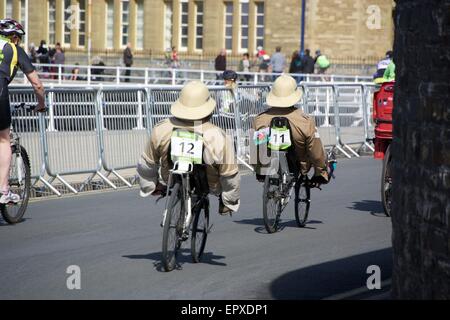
383	104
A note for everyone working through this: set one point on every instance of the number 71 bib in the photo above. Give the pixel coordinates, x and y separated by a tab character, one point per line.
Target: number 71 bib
186	146
280	138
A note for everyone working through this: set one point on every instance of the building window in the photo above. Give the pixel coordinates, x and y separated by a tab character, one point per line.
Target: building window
52	21
259	24
125	21
110	24
82	23
168	25
184	24
244	25
228	25
140	25
9	9
199	26
68	23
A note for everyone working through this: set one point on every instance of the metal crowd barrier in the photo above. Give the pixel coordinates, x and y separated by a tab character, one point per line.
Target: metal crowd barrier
99	131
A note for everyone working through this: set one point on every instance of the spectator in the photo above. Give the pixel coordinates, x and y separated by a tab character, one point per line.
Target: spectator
32	54
128	61
221	63
97	73
264	66
381	67
75	76
389	73
244	66
42	54
175	62
59	57
308	62
322	62
277	63
296	65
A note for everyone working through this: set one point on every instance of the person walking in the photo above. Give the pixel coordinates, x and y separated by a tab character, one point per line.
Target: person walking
308	62
128	61
322	63
59	58
277	63
244	66
220	64
296	66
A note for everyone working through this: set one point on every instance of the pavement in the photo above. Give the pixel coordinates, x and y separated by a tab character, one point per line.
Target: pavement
115	239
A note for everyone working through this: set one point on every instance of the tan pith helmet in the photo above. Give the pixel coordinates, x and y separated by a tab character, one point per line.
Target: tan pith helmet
195	102
285	93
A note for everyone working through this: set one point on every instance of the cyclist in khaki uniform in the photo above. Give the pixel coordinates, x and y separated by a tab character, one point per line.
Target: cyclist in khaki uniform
192	111
308	147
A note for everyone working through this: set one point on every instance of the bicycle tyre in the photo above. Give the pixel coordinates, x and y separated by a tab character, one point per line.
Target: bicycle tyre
200	228
302	201
173	228
386	183
271	212
13	214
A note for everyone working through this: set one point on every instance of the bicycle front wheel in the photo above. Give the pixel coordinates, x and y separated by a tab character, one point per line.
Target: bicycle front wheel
20	183
386	183
302	201
272	203
200	228
173	228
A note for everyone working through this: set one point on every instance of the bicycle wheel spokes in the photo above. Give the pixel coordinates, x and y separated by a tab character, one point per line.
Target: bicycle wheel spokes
271	204
173	229
200	228
302	203
20	183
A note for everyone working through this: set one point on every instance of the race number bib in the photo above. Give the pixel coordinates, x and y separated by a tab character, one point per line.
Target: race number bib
280	139
186	147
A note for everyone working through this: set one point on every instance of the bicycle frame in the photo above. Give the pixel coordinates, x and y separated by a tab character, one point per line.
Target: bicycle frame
183	170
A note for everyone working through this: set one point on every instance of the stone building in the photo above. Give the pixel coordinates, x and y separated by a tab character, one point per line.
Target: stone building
340	28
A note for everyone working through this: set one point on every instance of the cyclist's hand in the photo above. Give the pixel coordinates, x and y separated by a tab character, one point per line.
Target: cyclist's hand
317	181
41	108
160	190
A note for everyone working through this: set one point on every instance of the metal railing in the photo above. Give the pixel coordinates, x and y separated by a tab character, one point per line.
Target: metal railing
99	131
61	74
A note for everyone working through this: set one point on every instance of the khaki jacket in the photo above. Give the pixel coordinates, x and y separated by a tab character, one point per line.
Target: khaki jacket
306	140
218	153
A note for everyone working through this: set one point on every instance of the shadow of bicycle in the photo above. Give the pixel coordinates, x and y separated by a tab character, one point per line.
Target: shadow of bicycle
184	256
283	224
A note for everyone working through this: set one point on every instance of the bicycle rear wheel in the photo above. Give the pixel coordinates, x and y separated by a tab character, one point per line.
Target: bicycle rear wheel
200	228
20	183
302	201
173	228
272	203
386	183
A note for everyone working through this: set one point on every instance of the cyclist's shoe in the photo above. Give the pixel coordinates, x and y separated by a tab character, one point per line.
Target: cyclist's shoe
260	177
224	210
9	198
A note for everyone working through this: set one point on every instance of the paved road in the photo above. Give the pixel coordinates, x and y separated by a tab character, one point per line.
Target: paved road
115	239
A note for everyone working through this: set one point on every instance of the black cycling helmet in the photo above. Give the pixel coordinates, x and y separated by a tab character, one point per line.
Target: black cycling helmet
230	75
389	54
9	27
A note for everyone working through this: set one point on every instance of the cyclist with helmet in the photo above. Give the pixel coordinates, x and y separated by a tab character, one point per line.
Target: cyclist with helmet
12	57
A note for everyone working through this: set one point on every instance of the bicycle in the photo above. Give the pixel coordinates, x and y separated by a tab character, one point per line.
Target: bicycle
279	184
20	173
186	211
386	183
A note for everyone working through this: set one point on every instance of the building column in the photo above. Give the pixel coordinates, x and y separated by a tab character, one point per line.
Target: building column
16	10
236	27
117	24
132	32
59	24
213	26
154	28
191	26
252	28
38	21
98	20
176	26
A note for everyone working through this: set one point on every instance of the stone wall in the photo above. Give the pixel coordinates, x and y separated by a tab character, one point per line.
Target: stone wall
421	150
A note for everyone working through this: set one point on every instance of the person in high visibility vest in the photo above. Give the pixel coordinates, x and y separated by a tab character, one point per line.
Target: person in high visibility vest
12	57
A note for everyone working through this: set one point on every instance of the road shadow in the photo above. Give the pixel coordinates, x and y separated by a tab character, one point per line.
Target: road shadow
375	208
283	224
184	256
331	278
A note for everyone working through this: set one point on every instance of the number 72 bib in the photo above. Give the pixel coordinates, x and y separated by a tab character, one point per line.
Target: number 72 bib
280	138
186	146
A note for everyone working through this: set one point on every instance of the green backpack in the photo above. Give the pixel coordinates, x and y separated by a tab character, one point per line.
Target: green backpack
323	62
